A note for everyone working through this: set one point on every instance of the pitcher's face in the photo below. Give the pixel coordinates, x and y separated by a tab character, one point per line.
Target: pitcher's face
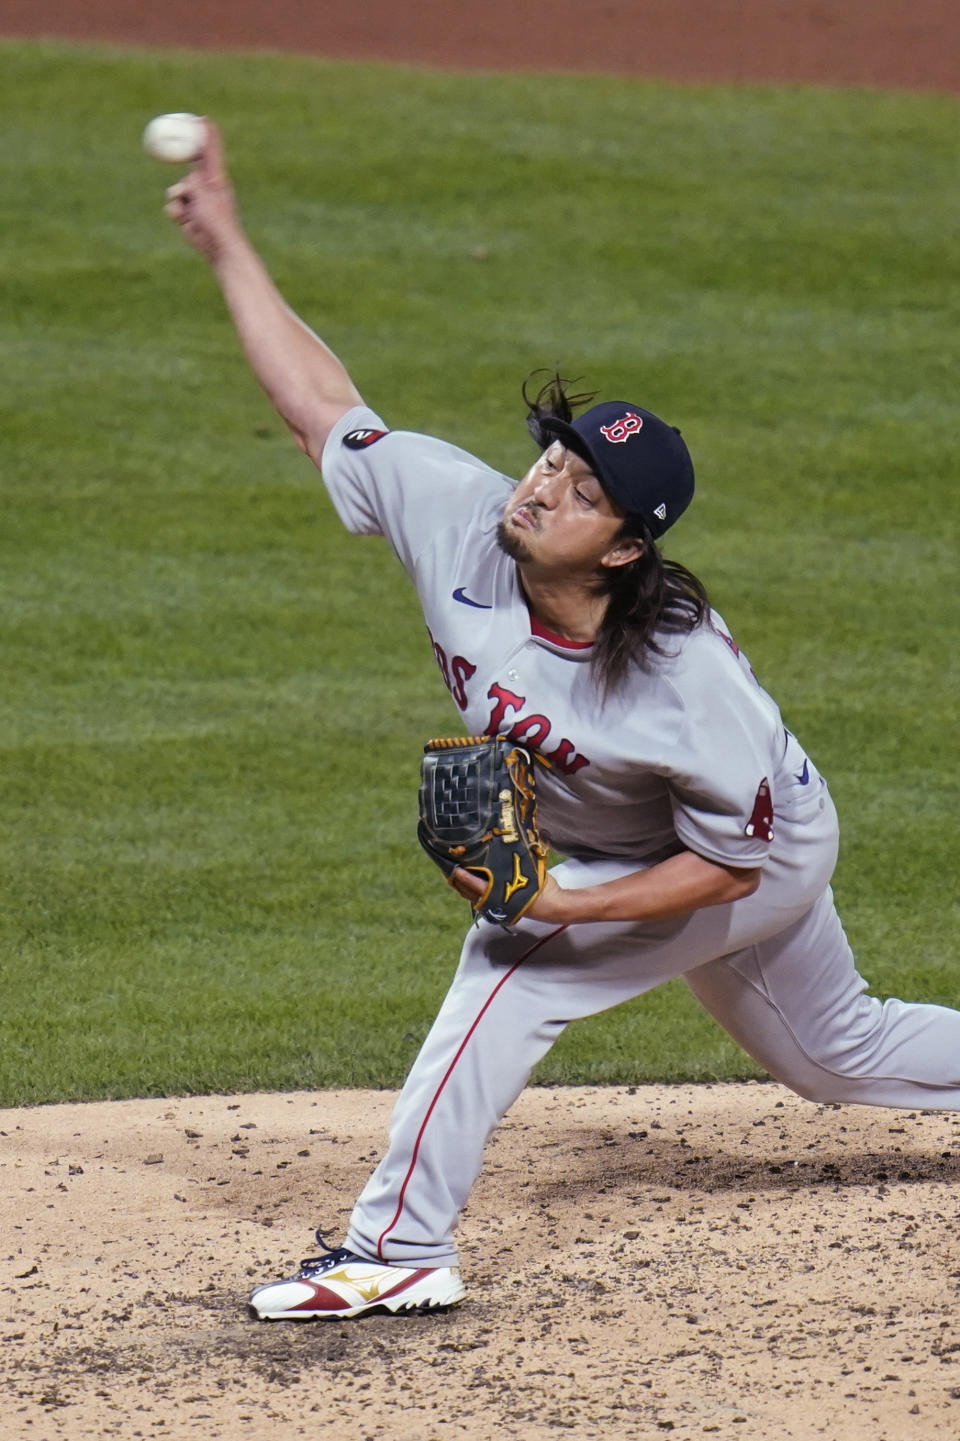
559	518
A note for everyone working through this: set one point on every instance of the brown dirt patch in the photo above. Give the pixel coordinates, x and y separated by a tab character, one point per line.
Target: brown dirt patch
911	43
690	1261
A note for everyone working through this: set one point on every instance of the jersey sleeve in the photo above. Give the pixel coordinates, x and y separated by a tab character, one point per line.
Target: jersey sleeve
723	765
402	485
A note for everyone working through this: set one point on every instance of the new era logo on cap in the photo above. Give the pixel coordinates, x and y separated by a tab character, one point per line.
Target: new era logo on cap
660	511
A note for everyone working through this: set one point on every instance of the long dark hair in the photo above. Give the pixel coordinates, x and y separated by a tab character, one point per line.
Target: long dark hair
645	596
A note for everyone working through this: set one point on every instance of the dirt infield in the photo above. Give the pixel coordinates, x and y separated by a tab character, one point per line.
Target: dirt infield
910	43
723	1261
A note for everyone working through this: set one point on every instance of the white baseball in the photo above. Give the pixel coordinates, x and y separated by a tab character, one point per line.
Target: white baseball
175	139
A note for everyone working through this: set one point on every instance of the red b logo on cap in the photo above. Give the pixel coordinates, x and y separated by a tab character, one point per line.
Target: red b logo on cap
622	429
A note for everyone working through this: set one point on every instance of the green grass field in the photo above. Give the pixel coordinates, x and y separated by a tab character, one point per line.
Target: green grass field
213	700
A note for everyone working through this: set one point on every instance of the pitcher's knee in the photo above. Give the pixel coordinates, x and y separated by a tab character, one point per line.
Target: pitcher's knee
842	1063
823	1090
824	1082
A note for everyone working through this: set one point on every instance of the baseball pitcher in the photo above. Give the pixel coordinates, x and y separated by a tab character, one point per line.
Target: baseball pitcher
699	837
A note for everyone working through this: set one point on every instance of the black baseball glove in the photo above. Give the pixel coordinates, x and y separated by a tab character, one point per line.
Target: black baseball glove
478	810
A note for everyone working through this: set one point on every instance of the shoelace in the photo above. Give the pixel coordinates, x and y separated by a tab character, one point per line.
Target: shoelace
333	1256
315	1265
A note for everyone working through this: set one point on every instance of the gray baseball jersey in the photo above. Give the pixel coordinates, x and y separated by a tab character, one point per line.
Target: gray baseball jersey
691	753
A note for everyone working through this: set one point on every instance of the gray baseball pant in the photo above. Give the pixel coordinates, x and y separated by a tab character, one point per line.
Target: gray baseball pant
775	970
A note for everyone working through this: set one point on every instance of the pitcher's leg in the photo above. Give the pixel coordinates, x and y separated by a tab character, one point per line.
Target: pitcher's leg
797	1005
472	1066
512	996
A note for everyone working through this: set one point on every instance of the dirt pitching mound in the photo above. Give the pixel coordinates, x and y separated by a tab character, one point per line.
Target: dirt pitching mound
721	1260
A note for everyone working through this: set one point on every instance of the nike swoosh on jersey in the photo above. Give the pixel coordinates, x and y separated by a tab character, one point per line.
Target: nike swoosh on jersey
460	595
804	776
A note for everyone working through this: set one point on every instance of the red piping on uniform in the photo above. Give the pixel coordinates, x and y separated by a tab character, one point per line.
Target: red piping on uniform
449	1072
537	627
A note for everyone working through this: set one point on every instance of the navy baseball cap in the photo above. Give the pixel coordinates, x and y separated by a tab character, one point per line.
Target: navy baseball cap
642	462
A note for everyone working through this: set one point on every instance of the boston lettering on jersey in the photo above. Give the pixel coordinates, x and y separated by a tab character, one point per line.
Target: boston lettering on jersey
532	730
455	673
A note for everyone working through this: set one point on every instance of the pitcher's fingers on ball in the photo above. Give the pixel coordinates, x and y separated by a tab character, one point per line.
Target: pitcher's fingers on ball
178	206
211	152
211	165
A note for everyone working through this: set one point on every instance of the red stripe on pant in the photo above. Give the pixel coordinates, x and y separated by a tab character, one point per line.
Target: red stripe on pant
449	1072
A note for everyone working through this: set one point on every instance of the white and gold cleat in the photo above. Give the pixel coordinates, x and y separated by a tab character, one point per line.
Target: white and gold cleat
340	1284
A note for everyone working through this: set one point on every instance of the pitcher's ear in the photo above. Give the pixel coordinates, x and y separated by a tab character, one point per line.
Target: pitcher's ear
628	548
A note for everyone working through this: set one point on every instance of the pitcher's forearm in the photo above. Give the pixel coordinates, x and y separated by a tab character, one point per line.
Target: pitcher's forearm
675	887
309	386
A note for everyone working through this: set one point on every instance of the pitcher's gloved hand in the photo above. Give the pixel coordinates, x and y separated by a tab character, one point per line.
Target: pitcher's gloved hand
478	813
